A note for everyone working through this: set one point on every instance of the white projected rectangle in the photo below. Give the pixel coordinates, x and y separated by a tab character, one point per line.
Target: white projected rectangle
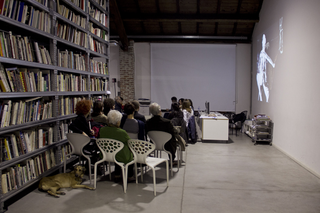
200	72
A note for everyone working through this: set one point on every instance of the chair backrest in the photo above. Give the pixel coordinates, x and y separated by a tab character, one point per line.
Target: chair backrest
133	135
160	138
77	142
140	149
109	148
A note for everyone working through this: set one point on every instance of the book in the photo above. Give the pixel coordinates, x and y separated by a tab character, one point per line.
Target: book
20	11
38	54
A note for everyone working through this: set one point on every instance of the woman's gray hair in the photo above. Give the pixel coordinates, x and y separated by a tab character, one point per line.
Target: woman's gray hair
114	117
155	109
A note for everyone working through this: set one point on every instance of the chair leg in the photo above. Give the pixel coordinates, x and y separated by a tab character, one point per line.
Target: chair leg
109	165
167	171
95	176
124	179
136	171
154	181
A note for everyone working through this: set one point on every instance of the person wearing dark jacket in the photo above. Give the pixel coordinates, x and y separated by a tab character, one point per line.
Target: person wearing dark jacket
159	123
118	104
82	126
137	115
130	124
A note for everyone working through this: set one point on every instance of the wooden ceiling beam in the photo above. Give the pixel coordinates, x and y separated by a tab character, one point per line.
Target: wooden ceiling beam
191	18
119	23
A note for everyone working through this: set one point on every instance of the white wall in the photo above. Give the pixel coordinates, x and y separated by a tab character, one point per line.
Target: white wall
243	77
294	100
114	70
243	67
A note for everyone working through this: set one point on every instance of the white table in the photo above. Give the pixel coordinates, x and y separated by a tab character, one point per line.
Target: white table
215	128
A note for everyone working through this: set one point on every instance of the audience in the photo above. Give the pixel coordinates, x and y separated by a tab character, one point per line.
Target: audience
118	104
97	114
162	124
113	131
180	102
137	115
187	111
135	128
81	125
108	104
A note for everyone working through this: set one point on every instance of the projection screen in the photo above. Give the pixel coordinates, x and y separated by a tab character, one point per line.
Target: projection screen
200	72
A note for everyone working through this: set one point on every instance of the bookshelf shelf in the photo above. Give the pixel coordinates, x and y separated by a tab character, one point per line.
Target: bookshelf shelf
30	55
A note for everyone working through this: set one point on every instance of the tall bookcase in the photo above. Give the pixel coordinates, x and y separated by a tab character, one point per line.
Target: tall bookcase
52	54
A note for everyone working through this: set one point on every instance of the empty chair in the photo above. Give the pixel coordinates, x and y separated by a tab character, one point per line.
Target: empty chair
109	148
160	138
77	142
141	150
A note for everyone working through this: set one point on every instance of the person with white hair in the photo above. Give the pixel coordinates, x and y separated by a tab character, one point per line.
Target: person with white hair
113	131
158	123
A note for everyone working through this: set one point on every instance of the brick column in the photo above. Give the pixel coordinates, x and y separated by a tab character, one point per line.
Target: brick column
127	70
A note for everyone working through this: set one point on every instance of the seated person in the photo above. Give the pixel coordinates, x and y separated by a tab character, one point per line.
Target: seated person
137	115
131	125
113	131
159	123
177	120
81	125
97	115
118	104
189	118
108	104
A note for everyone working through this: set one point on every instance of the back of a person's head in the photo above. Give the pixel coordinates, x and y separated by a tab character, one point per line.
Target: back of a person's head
108	105
136	105
97	108
186	104
155	109
114	117
174	99
83	107
129	108
175	106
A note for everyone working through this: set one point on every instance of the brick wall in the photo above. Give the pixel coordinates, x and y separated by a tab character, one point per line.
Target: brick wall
127	65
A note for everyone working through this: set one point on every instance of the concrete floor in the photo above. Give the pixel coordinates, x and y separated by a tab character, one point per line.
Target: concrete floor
215	177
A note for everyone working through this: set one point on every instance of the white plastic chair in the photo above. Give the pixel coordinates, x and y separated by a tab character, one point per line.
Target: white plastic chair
141	150
109	148
160	138
77	142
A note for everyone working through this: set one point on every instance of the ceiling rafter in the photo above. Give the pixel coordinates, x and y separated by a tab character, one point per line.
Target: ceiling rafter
235	25
119	23
191	17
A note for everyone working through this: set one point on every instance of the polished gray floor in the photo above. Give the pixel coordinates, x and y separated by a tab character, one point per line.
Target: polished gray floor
215	177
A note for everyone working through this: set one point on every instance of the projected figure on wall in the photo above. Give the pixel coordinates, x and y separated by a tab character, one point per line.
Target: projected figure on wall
280	35
262	70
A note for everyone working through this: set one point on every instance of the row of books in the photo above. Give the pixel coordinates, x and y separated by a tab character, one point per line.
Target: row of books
67	106
70	15
22	142
69	59
98	67
98	15
23	111
98	32
24	80
14	177
98	84
18	47
82	4
26	14
102	3
97	46
71	82
71	34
